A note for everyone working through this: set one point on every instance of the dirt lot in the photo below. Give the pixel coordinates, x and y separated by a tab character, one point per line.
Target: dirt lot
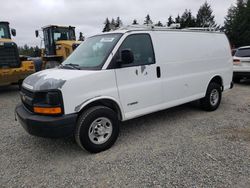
179	147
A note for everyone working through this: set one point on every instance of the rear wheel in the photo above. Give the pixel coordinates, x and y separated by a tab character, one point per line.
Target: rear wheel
97	129
51	64
213	97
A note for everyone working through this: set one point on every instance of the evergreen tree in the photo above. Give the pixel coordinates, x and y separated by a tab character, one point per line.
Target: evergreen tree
246	32
240	23
25	47
159	24
112	24
37	52
236	23
135	22
178	19
106	26
170	21
205	17
229	24
148	21
118	22
187	19
29	51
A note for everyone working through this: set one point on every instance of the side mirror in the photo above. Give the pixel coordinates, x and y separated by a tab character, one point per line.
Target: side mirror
127	56
13	32
37	33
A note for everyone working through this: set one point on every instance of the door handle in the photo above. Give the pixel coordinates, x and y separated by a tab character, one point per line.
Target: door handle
158	72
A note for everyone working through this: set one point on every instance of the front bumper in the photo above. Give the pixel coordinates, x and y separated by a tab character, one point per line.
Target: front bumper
46	126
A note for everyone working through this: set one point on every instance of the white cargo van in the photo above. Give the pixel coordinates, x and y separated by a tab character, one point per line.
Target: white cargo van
117	76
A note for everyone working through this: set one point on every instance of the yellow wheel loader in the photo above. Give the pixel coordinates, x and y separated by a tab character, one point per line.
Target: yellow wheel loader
59	43
13	69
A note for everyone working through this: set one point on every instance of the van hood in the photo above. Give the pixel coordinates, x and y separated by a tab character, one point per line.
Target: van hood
52	78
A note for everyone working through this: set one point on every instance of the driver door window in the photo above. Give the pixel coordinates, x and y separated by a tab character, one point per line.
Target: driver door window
141	46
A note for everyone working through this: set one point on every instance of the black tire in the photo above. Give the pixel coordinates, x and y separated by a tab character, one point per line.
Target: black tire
85	122
236	79
51	64
208	103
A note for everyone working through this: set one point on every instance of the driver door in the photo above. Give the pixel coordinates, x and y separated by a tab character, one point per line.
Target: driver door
139	83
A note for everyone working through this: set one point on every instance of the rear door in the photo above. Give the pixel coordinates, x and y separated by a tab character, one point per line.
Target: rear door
139	83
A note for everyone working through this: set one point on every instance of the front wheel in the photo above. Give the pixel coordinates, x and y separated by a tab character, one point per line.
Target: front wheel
97	129
213	97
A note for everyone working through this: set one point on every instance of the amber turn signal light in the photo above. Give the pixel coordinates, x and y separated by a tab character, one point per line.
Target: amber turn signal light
44	110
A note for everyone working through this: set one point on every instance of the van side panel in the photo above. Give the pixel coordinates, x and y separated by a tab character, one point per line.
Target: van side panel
189	60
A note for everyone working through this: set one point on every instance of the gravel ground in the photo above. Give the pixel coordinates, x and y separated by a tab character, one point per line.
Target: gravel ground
179	147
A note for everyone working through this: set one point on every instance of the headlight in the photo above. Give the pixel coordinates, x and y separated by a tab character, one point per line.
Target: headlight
49	103
53	98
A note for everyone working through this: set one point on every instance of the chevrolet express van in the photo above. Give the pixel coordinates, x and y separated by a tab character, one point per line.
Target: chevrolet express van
120	75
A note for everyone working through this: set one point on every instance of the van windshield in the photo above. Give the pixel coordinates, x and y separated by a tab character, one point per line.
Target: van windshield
93	52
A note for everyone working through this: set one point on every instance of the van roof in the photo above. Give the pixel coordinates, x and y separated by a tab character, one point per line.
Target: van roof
135	28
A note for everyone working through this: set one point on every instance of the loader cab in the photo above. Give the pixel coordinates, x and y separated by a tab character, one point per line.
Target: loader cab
5	31
13	68
52	34
9	56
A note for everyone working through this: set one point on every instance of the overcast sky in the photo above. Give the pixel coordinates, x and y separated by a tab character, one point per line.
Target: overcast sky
88	16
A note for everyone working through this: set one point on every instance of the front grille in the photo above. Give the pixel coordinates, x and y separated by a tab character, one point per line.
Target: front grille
27	98
9	56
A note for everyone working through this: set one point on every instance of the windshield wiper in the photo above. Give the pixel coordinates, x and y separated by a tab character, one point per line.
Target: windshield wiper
72	66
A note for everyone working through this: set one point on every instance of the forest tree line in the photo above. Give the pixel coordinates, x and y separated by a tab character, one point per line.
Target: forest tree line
236	24
29	51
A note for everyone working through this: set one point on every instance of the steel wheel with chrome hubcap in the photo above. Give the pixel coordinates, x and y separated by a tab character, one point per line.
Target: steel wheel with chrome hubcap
100	130
97	129
214	97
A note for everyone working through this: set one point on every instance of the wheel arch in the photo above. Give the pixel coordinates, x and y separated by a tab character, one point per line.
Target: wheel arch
103	101
217	79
